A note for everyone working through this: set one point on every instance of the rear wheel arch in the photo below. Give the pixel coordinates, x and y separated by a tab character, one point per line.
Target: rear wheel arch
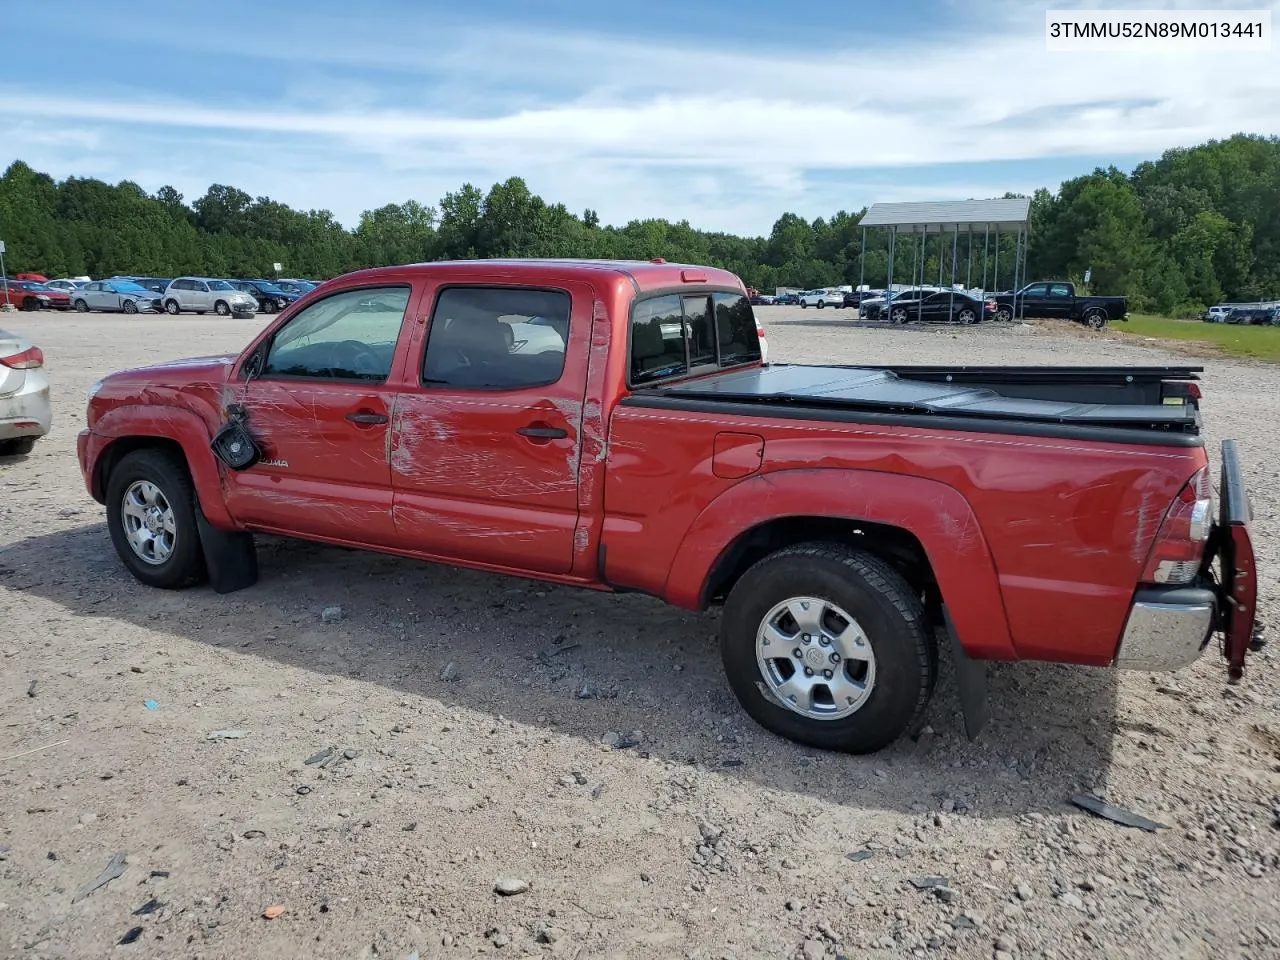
895	546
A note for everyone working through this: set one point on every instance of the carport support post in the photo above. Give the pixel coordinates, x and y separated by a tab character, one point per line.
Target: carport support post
862	268
893	236
924	256
951	307
995	270
986	252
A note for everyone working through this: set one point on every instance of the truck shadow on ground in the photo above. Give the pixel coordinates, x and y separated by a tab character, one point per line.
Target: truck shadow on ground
582	664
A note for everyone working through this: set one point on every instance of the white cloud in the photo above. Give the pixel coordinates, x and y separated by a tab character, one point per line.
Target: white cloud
637	128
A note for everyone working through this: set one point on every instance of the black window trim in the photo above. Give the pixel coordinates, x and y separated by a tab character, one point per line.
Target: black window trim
692	290
264	348
423	384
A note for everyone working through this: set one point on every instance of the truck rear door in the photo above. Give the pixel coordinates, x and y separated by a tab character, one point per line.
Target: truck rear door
485	444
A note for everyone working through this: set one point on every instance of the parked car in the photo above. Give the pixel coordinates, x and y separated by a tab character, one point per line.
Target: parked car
855	298
761	300
124	296
786	299
157	285
822	298
1217	314
30	295
941	306
26	413
269	297
684	468
66	286
300	287
202	294
1254	315
873	307
1057	299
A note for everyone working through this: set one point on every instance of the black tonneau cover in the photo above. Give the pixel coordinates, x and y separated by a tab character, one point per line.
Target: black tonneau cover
1135	398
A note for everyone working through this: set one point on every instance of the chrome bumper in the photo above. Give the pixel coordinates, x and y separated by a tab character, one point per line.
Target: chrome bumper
1166	630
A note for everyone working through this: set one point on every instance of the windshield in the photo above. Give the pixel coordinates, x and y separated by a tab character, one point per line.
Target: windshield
220	285
267	288
128	286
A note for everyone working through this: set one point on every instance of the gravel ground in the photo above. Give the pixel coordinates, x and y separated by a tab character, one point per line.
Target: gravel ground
581	751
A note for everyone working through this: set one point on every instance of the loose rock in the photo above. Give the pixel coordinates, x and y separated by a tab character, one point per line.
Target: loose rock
511	886
331	614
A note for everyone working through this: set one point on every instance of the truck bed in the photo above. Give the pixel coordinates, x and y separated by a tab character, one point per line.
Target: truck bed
1124	404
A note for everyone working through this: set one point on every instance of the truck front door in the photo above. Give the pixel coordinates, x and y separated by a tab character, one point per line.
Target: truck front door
485	446
320	408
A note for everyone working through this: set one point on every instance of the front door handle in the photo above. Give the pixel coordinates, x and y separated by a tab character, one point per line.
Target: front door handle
543	433
367	417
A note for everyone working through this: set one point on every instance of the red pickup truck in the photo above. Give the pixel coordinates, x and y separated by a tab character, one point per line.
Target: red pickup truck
611	425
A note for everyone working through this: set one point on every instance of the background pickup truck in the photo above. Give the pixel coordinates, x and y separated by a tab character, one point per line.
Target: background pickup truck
612	426
1056	299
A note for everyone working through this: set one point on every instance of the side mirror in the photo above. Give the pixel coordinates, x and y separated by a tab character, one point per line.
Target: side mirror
253	366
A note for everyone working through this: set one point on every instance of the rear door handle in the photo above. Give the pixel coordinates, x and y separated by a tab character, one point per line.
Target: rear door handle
367	417
543	433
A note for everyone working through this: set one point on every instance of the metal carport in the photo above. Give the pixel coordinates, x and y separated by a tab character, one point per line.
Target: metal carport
951	218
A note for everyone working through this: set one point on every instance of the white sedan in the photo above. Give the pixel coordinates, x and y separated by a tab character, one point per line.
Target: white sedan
25	411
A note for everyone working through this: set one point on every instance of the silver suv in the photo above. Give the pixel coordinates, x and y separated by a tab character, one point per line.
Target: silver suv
202	294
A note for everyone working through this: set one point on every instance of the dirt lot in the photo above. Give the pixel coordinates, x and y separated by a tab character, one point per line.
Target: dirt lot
707	838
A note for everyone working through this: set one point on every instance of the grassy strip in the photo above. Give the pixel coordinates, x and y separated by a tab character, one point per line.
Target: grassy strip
1260	343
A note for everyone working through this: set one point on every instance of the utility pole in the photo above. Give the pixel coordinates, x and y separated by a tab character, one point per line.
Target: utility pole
4	277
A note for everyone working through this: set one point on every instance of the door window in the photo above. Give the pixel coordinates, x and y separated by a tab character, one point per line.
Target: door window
1035	290
1059	290
347	336
497	338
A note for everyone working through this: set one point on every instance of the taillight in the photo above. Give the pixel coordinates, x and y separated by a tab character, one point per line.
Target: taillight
26	360
1179	546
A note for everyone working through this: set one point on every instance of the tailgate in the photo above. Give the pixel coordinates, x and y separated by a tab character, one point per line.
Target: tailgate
1238	589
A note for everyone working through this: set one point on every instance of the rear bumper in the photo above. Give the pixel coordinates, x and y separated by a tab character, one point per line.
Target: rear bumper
1167	629
27	412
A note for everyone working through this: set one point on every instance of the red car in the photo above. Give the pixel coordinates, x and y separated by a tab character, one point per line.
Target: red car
29	295
612	426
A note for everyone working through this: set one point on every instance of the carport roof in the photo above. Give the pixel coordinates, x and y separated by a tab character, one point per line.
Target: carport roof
949	216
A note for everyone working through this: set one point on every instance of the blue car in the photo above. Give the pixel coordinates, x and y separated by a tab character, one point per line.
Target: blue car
269	296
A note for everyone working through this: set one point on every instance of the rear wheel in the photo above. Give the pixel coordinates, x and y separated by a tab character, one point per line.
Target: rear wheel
822	304
828	646
1004	314
151	516
171	308
967	316
81	306
30	304
803	305
1095	319
268	306
898	315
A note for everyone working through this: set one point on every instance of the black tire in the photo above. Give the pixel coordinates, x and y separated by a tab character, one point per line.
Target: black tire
81	306
17	447
1004	314
30	305
822	304
222	309
1095	319
130	306
171	308
967	315
185	565
891	615
898	315
803	305
268	306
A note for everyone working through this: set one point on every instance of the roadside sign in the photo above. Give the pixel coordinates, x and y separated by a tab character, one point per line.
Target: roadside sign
1088	274
276	267
1	246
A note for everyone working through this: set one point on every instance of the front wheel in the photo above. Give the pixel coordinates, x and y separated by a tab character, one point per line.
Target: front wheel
803	305
81	306
221	308
151	516
898	315
828	646
130	306
822	304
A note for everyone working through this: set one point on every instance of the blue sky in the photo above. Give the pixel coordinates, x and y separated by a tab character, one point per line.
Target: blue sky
725	114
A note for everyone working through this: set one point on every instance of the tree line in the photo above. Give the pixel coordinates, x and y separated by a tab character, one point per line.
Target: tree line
1198	226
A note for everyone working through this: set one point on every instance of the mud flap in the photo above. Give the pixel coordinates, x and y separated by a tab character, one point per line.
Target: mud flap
230	558
971	683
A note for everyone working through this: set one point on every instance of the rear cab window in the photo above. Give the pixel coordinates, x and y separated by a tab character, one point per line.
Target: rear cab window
677	335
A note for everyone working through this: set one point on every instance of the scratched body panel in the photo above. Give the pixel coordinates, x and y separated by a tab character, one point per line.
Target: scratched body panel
467	483
1067	524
